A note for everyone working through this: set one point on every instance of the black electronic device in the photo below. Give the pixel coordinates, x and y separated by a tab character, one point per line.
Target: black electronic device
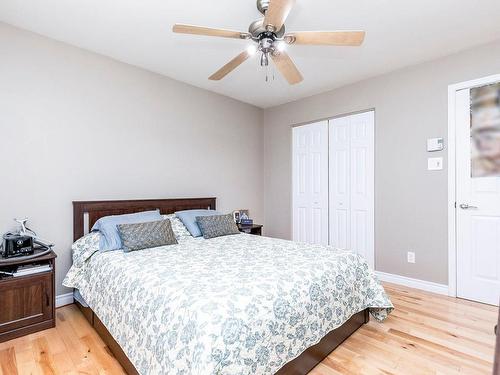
15	245
22	243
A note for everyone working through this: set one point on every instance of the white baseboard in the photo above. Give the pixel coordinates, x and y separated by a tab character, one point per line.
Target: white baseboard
428	286
64	299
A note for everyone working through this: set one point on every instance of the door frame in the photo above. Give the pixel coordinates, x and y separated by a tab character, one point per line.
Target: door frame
452	223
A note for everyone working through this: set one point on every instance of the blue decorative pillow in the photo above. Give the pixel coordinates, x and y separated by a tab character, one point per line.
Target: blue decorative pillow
188	218
107	226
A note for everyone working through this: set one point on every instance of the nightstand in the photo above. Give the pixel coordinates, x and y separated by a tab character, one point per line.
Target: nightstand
251	229
27	303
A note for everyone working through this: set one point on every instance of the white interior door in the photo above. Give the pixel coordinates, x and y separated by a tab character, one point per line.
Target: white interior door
310	183
478	194
352	176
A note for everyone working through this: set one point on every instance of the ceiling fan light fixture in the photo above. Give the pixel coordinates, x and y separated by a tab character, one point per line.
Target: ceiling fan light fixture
252	49
280	46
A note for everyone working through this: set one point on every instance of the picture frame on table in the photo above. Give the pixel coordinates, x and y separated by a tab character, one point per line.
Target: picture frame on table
239	214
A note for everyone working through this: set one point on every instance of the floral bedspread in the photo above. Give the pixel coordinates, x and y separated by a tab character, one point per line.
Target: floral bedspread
238	304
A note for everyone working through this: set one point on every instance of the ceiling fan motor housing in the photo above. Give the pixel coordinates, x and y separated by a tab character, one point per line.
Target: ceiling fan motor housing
259	31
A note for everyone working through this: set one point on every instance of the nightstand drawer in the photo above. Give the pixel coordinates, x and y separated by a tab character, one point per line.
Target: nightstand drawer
25	301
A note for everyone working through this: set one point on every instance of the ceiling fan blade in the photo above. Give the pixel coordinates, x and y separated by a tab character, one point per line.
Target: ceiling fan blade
207	31
230	66
332	38
277	12
287	68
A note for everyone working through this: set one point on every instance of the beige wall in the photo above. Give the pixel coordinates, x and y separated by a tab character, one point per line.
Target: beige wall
410	202
75	125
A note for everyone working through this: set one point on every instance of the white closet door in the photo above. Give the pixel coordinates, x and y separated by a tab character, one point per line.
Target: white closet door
351	173
310	183
362	185
340	200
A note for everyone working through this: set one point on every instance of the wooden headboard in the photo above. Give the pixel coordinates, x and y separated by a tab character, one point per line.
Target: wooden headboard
98	209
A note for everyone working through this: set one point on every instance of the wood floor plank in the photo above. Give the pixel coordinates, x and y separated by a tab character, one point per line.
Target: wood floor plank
77	350
394	289
449	330
412	357
480	350
25	359
43	356
427	334
100	355
8	364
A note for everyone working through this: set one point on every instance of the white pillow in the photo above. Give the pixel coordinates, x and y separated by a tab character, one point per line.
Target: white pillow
178	226
85	247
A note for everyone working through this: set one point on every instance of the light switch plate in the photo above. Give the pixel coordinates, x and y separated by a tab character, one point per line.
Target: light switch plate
434	164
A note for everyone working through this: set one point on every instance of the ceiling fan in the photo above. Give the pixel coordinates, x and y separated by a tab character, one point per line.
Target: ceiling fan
269	34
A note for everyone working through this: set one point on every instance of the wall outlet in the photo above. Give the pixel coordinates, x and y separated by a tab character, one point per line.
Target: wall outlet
411	257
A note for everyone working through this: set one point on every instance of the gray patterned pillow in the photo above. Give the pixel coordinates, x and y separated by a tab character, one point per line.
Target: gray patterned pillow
217	225
146	235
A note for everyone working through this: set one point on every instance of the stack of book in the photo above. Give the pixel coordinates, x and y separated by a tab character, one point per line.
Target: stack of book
28	269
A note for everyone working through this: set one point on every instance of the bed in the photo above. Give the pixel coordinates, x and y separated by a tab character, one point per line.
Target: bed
236	304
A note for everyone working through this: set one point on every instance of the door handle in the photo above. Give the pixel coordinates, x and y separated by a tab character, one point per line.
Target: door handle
465	206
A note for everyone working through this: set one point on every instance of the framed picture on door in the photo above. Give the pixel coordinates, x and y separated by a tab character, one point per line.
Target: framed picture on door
485	131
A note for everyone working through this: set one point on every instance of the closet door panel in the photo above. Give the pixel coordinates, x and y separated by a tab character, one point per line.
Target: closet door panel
362	184
339	171
300	185
317	226
351	190
340	220
310	183
318	153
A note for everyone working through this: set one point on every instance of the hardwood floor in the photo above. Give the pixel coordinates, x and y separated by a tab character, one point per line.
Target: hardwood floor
426	334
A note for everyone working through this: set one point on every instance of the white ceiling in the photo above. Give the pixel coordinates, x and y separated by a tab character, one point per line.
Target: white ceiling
399	33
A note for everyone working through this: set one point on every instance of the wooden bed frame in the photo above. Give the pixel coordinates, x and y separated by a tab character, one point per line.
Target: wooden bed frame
97	209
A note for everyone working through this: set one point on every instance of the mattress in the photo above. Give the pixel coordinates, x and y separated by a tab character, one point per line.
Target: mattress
238	304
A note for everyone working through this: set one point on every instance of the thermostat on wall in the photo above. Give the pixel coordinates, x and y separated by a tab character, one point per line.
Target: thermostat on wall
435	144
